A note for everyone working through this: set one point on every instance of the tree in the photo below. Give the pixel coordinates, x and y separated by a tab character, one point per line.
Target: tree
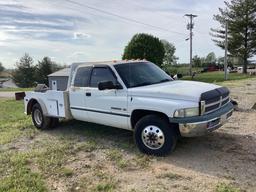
144	46
211	58
197	61
44	68
24	74
1	67
240	16
169	50
220	61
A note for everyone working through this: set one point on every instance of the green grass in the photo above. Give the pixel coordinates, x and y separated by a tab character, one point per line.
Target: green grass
15	172
181	69
223	187
17	176
120	161
105	186
51	158
117	157
15	89
88	146
13	122
67	172
29	157
100	184
214	77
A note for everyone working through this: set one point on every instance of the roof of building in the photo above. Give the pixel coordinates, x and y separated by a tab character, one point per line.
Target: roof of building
61	73
5	74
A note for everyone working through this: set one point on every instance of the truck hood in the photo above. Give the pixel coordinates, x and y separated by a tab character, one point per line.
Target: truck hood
178	90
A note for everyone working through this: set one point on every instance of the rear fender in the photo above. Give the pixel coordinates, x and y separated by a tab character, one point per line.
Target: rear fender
32	101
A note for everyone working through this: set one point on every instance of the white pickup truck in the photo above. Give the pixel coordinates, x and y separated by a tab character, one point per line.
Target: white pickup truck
134	95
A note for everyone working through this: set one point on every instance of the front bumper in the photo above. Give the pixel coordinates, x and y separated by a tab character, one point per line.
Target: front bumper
201	125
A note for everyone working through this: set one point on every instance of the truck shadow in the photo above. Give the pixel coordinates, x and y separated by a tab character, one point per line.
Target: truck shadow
218	154
103	135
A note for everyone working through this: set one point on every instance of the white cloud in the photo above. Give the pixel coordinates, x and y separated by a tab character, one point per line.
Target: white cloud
77	53
80	35
3	36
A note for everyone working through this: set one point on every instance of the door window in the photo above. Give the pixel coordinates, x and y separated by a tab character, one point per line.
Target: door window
82	77
101	74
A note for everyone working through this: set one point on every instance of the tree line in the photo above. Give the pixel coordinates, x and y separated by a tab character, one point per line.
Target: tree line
211	59
240	17
26	74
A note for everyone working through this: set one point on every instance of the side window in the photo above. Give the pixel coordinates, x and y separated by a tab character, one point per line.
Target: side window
82	77
101	74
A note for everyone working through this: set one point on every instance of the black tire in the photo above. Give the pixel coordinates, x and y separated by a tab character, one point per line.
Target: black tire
164	132
44	122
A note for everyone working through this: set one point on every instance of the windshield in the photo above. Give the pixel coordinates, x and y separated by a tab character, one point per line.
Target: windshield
141	74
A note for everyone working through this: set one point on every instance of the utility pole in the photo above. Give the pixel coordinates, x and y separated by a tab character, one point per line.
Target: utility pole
190	26
226	51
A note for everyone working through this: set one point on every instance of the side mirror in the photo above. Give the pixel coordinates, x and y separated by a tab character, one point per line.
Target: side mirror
179	75
103	85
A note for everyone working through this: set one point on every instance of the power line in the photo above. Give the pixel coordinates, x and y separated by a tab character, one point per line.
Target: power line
138	5
124	18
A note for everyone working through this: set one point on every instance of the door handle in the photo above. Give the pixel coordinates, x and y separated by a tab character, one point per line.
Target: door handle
88	94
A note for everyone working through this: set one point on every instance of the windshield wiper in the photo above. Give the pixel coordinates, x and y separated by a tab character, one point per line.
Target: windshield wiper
142	84
150	83
164	80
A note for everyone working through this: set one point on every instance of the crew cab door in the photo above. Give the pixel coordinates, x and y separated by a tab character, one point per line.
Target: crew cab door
77	93
108	107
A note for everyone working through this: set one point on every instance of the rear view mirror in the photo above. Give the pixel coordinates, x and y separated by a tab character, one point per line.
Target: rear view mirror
103	85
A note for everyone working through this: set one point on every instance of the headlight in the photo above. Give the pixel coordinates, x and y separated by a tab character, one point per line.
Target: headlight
188	112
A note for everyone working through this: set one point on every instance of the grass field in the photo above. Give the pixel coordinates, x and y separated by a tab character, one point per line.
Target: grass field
181	69
30	159
214	77
15	89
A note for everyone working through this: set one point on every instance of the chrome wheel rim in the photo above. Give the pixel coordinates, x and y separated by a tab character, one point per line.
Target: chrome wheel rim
153	137
38	117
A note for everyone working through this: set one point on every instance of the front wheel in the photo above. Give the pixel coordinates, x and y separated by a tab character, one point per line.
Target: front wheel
155	136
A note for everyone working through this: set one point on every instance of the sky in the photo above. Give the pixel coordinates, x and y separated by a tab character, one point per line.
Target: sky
81	30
